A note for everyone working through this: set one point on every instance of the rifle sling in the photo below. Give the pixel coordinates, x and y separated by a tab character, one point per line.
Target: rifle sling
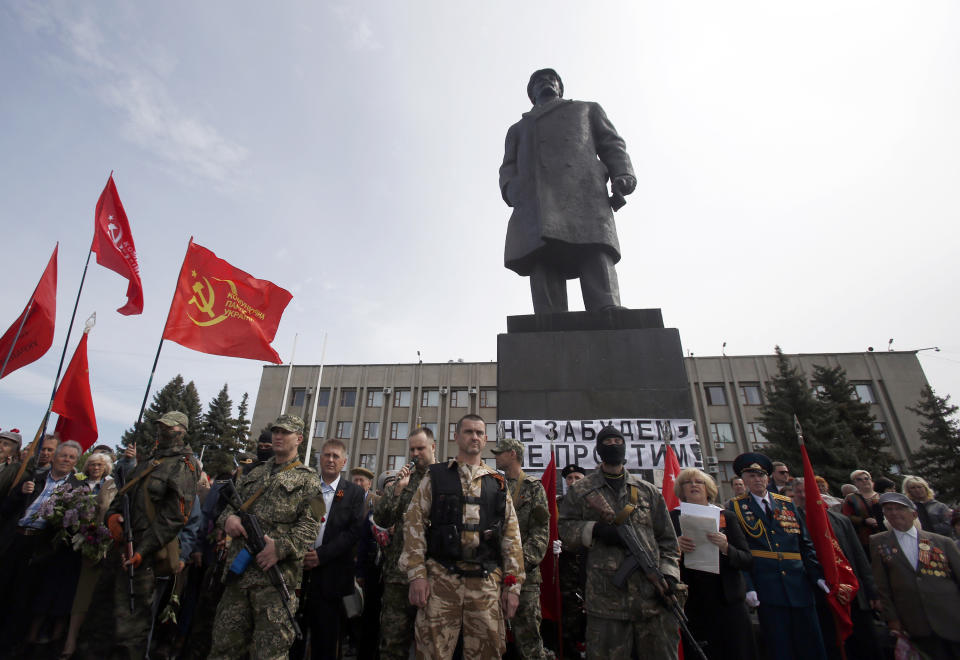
256	496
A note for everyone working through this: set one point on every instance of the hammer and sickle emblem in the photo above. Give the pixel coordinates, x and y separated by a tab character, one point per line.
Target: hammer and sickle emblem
203	303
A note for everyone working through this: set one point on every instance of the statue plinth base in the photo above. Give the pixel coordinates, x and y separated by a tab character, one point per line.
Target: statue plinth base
591	365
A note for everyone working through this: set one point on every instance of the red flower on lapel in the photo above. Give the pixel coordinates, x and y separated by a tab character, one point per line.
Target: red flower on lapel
509	580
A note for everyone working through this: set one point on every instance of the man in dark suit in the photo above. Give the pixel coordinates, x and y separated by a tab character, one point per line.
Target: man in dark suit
785	568
917	575
330	563
862	643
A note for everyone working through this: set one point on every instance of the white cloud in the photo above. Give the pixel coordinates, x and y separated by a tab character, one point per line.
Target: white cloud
133	83
360	35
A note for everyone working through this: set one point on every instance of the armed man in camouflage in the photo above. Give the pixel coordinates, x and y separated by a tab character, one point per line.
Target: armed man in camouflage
633	619
280	492
161	493
397	615
533	517
462	552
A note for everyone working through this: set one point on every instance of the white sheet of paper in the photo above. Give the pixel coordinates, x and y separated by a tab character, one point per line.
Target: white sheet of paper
696	521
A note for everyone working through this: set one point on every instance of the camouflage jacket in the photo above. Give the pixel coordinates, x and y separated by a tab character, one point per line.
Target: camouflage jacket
388	512
285	512
655	530
533	518
171	486
413	560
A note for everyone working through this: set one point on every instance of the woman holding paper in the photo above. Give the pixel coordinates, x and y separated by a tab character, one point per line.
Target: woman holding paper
716	604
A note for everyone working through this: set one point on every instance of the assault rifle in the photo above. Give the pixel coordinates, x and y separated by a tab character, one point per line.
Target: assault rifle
638	558
127	535
255	545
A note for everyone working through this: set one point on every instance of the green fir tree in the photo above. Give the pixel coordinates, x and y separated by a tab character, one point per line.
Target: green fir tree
169	397
855	422
938	459
218	423
788	395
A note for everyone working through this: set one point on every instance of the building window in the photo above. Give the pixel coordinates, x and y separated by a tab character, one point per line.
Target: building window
396	462
459	399
755	433
401	399
491	432
324	399
452	431
320	429
881	429
298	397
715	395
374	399
399	431
348	398
488	398
369	461
430	425
344	430
864	392
750	395
371	430
721	432
430	398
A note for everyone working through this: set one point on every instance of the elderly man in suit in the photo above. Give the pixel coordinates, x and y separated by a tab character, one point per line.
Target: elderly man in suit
329	564
556	164
917	574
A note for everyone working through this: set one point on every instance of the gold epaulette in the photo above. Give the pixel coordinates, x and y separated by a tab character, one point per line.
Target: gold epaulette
783	498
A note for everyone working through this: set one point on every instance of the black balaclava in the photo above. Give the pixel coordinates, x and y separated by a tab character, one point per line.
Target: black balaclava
265	453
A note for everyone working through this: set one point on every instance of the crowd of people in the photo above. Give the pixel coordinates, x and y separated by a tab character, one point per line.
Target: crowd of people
135	556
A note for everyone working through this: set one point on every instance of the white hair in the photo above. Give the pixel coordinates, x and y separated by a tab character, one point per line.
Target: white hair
68	443
100	457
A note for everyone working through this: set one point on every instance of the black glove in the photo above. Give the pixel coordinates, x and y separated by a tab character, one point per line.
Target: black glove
607	533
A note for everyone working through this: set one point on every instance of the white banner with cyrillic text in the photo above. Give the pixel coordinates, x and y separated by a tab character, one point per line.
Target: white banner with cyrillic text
575	441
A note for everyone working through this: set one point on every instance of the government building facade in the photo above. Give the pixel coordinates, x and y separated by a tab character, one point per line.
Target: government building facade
373	407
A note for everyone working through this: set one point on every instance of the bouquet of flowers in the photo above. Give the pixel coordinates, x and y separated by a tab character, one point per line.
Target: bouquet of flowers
72	513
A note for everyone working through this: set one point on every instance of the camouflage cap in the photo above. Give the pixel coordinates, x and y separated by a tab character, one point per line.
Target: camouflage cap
13	436
509	444
362	471
389	475
174	418
290	423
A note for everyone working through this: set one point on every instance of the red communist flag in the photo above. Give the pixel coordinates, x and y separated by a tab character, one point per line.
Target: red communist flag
31	334
74	403
671	468
113	245
222	310
549	567
836	569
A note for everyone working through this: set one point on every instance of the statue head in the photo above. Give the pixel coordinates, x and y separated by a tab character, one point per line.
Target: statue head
543	74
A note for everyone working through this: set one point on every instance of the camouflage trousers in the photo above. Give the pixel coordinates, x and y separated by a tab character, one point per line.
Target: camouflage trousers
470	603
654	637
397	617
110	630
252	621
526	625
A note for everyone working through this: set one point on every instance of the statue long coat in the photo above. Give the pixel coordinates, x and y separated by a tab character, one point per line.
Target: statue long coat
557	186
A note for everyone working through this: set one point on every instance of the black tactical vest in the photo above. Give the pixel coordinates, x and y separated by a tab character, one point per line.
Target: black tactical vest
446	519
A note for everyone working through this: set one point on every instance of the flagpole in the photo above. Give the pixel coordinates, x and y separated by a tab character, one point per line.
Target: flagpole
156	358
286	386
16	337
316	400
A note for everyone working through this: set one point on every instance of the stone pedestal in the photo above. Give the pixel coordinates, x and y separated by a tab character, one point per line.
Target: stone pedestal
591	365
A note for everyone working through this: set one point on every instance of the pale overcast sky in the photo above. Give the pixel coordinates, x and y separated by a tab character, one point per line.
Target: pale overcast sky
797	165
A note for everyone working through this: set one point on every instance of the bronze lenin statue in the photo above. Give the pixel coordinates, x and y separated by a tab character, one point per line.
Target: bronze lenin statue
556	165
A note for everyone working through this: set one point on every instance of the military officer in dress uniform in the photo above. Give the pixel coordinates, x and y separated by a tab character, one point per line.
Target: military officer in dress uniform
785	568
